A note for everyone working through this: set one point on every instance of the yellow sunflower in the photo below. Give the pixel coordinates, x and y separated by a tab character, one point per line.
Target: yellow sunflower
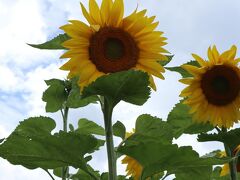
213	91
112	43
134	168
225	169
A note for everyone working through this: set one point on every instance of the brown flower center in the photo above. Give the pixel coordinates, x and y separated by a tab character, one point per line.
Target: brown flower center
220	85
113	50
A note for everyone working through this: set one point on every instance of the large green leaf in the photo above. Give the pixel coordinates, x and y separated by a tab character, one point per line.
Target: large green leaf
55	43
181	121
130	86
86	126
153	127
55	95
231	138
33	146
182	71
119	130
75	99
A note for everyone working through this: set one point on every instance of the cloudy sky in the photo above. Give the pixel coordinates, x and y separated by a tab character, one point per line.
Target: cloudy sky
190	26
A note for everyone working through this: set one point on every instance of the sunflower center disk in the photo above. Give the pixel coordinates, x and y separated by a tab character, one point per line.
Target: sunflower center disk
220	85
113	50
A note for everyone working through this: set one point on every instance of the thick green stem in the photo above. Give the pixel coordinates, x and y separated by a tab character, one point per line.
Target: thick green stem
232	164
107	109
65	170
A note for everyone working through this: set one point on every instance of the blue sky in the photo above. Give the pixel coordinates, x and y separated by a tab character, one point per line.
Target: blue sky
190	26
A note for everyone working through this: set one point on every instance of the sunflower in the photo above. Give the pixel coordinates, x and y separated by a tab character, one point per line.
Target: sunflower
213	91
225	169
134	168
112	43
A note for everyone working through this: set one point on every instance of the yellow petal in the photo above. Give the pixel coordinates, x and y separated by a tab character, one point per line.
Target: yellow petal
187	81
233	52
210	55
106	11
94	12
195	71
215	53
84	28
86	15
87	72
149	55
116	13
152	65
199	60
225	170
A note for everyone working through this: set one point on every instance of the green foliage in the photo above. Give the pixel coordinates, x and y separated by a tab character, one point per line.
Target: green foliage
82	175
165	62
104	176
33	146
182	71
151	146
230	138
55	43
86	126
154	127
130	86
119	130
64	93
55	95
181	121
75	99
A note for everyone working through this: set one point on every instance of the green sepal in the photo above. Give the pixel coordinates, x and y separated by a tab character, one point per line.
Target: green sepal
181	121
182	71
32	145
165	62
53	44
130	86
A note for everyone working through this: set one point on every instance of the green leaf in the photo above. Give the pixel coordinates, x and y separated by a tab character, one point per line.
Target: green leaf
55	43
181	121
119	130
1	140
231	138
75	99
55	95
33	146
156	157
82	175
182	71
86	126
165	62
58	172
130	86
154	127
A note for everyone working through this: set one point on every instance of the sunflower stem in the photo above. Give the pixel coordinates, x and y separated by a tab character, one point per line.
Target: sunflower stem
65	170
232	164
107	108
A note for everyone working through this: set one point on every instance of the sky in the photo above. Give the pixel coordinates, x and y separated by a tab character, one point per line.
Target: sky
190	26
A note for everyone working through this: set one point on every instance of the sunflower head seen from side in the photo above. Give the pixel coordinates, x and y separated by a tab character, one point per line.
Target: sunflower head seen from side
213	93
111	43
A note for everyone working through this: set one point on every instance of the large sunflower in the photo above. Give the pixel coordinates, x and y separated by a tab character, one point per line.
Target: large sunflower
213	91
112	43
